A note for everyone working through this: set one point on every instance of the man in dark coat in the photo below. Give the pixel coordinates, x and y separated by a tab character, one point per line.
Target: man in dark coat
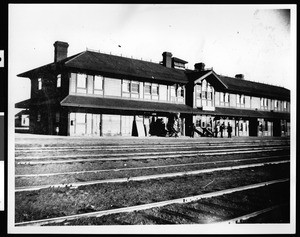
222	127
229	130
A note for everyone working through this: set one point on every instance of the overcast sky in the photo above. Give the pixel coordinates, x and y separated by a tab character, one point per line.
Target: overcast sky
253	40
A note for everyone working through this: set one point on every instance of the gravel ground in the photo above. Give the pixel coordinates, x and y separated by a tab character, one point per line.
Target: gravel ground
49	203
97	165
205	211
104	175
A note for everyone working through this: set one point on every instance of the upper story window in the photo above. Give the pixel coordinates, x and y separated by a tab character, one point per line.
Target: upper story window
204	85
276	103
155	89
221	97
39	83
135	87
39	117
226	97
81	83
242	99
147	88
238	99
126	86
58	81
198	91
98	84
284	104
181	91
57	117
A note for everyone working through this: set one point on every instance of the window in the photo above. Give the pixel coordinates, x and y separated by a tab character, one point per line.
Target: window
275	103
58	82
147	88
209	95
57	117
226	95
112	87
204	95
204	85
98	83
173	91
265	102
135	87
221	97
284	104
261	102
238	101
155	89
126	86
39	83
242	99
81	83
182	91
198	91
39	117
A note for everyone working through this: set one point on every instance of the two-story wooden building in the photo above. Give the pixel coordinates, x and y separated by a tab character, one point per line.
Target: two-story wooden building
97	94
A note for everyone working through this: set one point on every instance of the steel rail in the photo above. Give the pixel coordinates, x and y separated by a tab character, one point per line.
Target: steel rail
147	206
250	215
148	167
147	153
157	146
146	177
139	157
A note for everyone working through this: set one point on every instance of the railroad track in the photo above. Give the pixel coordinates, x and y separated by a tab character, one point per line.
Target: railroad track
185	200
100	177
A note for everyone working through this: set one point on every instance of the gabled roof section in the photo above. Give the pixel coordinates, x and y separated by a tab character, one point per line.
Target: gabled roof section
251	88
127	67
209	75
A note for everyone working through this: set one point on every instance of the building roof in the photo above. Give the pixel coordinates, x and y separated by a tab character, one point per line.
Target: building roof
123	67
243	113
241	86
208	75
128	68
27	104
51	67
121	104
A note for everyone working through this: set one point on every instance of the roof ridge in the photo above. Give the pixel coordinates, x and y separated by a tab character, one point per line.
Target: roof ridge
114	55
255	82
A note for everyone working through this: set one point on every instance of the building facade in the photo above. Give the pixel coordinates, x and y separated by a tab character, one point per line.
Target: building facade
97	94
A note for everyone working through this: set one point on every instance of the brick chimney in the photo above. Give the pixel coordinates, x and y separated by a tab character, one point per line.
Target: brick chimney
239	76
199	66
60	50
167	59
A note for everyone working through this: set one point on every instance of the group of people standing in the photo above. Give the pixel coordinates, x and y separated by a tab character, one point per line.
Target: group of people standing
218	128
221	128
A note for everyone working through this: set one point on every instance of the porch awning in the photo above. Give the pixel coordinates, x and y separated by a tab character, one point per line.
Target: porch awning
121	104
245	113
25	104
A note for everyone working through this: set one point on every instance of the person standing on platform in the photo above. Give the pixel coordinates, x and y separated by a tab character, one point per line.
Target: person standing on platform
222	127
229	130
